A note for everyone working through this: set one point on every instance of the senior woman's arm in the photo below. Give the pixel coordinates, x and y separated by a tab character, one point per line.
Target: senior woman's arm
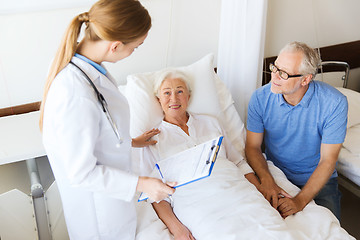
167	216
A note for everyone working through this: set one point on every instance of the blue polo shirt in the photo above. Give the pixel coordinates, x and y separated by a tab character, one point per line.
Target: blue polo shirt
293	134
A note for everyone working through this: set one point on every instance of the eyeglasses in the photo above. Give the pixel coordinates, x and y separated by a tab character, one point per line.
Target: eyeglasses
284	75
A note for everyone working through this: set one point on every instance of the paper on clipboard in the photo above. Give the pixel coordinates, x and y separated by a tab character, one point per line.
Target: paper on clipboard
187	166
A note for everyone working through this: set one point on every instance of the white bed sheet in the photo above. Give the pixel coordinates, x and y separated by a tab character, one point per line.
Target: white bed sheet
349	157
225	205
245	216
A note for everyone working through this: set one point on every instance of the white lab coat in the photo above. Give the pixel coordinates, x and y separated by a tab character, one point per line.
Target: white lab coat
93	174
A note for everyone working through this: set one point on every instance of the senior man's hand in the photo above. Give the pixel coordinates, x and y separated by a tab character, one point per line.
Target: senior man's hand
145	139
289	206
272	192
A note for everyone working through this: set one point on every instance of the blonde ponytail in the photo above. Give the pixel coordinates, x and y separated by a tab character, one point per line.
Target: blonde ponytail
63	56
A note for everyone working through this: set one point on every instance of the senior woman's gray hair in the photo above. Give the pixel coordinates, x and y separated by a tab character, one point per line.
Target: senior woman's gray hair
171	73
311	60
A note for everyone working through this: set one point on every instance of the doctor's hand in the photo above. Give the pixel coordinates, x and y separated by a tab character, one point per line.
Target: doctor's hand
145	139
155	188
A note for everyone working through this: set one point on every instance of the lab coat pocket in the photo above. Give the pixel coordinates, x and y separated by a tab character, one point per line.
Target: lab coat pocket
115	217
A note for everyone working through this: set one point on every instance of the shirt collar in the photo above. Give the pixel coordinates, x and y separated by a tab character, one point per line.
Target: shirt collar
305	101
92	63
189	122
281	99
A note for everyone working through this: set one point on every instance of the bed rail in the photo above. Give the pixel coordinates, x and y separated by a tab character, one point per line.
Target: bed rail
335	66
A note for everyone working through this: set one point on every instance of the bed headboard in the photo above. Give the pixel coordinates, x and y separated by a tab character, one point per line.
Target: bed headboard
346	52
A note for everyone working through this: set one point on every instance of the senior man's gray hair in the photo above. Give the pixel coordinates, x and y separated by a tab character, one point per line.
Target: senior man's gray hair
311	60
172	73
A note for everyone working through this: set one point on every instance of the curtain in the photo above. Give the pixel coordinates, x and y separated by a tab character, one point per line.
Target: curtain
241	48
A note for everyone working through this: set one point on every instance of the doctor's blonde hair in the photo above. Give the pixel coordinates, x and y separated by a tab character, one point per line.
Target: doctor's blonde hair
110	20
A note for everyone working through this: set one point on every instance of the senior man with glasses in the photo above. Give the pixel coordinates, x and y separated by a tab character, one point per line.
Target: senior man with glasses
303	124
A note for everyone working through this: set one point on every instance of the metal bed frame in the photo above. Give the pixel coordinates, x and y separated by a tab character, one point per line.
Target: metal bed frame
337	66
334	66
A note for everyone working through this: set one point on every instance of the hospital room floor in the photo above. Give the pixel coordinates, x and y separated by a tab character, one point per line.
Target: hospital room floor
350	213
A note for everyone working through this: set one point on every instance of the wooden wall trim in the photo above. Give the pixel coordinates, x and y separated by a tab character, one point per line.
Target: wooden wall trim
266	71
346	52
20	109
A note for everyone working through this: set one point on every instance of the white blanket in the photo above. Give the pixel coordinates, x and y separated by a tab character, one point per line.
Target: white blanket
226	206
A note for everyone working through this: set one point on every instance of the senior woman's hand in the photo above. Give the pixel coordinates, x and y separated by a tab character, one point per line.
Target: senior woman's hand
145	139
183	233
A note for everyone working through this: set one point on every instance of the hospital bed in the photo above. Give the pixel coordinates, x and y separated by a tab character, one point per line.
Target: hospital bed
349	158
335	71
348	165
210	96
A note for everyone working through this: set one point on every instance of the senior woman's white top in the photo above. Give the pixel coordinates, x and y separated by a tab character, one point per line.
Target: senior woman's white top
91	169
172	139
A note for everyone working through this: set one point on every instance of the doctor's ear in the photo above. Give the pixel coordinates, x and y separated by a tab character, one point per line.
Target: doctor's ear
115	45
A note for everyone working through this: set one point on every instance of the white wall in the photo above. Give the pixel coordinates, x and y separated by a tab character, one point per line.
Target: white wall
183	31
318	23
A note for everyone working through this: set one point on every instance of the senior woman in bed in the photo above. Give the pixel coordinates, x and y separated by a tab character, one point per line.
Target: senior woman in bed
213	215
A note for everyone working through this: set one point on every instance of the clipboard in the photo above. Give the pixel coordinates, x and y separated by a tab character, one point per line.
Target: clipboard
188	166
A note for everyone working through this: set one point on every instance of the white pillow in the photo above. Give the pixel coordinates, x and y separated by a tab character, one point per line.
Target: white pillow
207	90
353	98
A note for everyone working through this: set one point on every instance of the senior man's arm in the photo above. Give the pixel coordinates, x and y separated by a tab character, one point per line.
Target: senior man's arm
256	160
328	156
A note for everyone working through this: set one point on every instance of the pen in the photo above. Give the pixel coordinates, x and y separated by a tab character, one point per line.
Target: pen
163	180
162	177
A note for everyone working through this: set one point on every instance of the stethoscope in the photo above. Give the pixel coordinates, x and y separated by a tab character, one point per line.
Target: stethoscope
104	105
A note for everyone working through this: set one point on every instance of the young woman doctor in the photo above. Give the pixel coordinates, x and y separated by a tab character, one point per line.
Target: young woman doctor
85	124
